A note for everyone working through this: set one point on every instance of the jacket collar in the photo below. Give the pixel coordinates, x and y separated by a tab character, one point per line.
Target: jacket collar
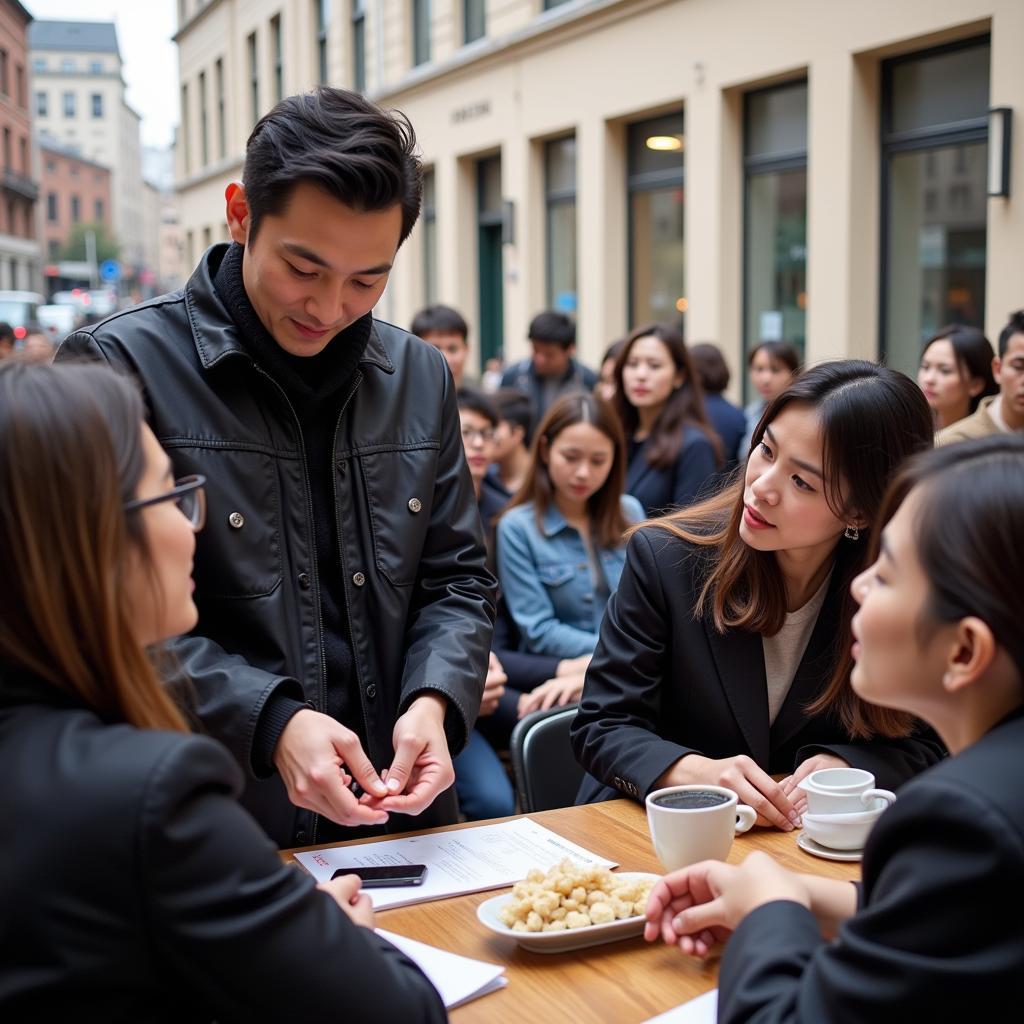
215	334
553	521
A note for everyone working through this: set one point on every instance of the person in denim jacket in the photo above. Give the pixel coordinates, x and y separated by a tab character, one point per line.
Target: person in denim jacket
560	544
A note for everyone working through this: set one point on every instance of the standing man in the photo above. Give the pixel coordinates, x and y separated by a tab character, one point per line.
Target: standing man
344	607
551	371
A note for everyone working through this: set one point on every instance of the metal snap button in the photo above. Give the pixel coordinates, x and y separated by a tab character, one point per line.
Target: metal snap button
304	580
237	520
371	691
415	505
358	579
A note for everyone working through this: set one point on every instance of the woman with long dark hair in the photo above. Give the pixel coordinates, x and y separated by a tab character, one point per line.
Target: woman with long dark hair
956	373
672	448
724	655
133	885
560	542
934	933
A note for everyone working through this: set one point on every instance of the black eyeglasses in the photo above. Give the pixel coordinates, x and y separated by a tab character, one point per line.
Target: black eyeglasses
187	494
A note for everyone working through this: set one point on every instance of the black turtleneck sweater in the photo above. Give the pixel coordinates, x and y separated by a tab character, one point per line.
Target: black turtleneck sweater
316	387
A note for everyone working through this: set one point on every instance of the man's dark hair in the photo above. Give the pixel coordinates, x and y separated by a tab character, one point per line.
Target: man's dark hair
340	142
516	407
6	331
1014	326
478	402
439	320
553	327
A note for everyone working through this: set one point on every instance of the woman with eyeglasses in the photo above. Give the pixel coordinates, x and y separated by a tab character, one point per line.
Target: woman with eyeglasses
560	543
133	885
934	931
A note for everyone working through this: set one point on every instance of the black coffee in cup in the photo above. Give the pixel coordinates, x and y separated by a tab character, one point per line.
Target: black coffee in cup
691	799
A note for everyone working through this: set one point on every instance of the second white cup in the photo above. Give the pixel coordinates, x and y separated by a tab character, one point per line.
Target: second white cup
842	791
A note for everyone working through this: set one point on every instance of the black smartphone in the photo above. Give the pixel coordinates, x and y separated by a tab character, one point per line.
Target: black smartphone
389	875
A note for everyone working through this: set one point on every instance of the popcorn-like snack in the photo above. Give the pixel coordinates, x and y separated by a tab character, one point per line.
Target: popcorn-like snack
573	896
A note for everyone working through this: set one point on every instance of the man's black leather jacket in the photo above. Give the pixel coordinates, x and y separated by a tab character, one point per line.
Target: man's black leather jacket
420	600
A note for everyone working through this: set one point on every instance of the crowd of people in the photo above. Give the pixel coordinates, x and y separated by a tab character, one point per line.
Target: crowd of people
279	575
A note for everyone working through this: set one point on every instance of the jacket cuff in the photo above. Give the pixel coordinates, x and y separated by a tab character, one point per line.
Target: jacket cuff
276	714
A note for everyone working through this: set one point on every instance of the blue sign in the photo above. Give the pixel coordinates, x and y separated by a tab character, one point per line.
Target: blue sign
110	271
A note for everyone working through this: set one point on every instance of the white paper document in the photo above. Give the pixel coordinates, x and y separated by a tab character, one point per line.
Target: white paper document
457	978
468	860
702	1010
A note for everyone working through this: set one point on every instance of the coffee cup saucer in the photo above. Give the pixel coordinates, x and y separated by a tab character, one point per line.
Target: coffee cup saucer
808	845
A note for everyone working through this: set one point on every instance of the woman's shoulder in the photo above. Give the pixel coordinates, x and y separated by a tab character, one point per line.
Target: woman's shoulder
518	517
665	551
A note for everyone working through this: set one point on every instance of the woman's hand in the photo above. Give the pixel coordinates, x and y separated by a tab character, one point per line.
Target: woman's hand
345	892
559	691
812	764
742	775
700	906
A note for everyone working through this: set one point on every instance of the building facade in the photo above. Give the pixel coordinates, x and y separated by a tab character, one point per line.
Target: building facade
74	191
19	189
78	96
823	174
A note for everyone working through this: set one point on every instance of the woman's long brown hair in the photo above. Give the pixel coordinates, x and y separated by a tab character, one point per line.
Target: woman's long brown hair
608	524
872	418
71	457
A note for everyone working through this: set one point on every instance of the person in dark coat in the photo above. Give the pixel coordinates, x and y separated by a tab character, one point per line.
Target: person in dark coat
934	931
723	657
134	886
728	420
345	608
673	452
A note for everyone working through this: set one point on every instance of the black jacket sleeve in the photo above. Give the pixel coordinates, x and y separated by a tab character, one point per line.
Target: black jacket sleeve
615	734
242	932
938	937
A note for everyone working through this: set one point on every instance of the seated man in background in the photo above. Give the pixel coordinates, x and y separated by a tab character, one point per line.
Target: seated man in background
512	439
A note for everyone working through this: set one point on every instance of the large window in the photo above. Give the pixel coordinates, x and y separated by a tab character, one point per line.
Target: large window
560	201
934	195
429	219
321	40
186	142
474	20
775	215
277	48
656	260
359	44
69	104
420	32
254	77
222	128
42	104
96	104
204	121
490	221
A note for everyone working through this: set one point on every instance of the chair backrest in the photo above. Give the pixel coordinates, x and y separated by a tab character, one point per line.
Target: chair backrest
546	772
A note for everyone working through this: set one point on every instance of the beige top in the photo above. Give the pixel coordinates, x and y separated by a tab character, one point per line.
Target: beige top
980	423
782	652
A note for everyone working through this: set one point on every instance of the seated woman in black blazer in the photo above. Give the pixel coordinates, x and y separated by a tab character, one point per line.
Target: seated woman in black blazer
934	933
724	655
134	887
673	451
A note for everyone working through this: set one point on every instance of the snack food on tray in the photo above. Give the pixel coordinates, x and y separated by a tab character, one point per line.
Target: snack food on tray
573	896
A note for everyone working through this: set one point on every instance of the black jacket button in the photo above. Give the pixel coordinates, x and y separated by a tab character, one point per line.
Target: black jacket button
301	838
371	691
304	580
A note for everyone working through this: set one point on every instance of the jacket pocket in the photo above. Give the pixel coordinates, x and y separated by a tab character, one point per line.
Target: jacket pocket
555	575
400	487
238	551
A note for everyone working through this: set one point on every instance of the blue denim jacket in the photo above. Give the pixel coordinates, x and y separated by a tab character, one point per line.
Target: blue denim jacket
548	583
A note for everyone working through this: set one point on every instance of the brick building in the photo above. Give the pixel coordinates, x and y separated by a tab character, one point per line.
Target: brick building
74	191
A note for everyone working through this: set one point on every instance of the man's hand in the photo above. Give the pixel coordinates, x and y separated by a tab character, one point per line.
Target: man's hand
494	686
345	892
558	692
422	768
317	758
812	764
701	905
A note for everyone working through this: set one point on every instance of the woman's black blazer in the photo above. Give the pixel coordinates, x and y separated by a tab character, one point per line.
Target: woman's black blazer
663	684
665	490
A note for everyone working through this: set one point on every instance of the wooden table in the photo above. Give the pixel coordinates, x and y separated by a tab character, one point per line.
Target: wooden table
626	982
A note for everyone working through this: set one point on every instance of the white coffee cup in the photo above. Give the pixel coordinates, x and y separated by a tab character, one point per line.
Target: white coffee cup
686	829
842	791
